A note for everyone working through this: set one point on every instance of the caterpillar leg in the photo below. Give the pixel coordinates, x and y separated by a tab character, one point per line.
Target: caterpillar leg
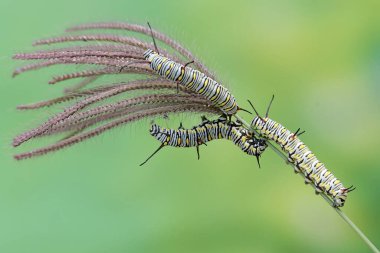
238	123
180	126
318	190
308	180
229	118
155	152
223	118
296	169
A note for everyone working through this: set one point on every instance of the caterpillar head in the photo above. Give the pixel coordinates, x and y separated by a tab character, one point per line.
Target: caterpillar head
261	145
257	145
258	122
154	129
149	54
341	197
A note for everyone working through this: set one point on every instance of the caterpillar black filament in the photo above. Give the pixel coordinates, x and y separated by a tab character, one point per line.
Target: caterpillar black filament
303	158
207	131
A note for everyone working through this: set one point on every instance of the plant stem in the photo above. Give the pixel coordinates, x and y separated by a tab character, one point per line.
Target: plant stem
325	197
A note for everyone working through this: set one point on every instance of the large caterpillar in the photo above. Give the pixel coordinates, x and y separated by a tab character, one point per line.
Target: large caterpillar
193	80
207	131
302	157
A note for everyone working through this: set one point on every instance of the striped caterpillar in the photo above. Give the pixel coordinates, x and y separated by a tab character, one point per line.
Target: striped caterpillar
302	158
192	79
207	131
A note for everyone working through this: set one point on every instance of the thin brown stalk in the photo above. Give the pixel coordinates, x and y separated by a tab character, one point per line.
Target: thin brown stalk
100	60
112	62
34	66
135	69
145	84
81	53
94	37
128	119
58	52
91	50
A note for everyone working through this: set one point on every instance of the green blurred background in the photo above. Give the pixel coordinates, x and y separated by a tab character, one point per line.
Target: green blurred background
320	58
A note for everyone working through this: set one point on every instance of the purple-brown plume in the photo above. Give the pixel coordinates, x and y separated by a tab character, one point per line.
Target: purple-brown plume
106	54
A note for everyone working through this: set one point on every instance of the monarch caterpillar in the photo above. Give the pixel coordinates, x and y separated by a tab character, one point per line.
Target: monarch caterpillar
207	131
192	79
302	158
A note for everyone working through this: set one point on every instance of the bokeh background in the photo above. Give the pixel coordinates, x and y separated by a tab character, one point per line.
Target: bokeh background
320	58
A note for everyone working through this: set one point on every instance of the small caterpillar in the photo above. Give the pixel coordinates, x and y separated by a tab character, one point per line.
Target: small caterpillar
207	131
302	158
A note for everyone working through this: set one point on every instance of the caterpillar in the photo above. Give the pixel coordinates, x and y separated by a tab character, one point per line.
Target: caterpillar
207	131
192	79
302	158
